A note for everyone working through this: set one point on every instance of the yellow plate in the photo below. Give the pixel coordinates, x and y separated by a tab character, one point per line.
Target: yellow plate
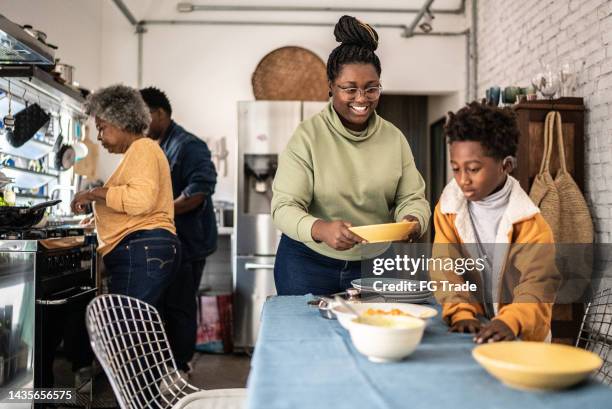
536	365
379	233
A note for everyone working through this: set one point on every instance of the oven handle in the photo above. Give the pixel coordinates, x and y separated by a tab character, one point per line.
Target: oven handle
257	266
61	301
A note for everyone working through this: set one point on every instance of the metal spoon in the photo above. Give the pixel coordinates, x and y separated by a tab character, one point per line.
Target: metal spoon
346	305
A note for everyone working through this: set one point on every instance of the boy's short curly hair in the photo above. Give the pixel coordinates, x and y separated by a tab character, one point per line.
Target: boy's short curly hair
495	128
121	106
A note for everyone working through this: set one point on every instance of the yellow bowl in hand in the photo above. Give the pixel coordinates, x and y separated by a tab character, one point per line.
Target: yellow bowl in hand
536	365
379	233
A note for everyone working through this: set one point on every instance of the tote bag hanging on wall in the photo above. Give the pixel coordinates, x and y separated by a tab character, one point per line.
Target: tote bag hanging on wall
565	209
543	190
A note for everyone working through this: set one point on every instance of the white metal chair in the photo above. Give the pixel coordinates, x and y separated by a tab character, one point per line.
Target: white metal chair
127	335
596	332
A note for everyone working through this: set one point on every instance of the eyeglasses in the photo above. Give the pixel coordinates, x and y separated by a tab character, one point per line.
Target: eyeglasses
371	93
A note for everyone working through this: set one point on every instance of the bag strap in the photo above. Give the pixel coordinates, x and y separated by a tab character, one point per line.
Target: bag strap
548	122
560	142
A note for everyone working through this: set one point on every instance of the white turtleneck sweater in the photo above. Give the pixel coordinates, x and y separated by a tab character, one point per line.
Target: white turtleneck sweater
486	215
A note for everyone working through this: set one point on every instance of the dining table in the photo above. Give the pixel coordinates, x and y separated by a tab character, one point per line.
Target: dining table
304	361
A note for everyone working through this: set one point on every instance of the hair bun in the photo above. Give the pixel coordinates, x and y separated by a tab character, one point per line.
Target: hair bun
350	31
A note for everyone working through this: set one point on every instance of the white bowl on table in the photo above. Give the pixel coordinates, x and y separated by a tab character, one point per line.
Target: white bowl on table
386	338
418	311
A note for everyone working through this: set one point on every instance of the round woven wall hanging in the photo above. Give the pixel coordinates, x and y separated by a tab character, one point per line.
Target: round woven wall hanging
290	73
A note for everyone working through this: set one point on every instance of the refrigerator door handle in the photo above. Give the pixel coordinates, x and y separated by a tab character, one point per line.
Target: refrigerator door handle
257	266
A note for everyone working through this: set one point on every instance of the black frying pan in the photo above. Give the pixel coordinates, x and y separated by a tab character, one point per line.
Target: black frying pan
21	217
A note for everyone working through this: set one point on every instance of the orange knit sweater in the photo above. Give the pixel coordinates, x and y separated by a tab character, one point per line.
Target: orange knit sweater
139	196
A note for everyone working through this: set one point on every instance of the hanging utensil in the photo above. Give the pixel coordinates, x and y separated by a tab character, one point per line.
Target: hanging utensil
65	156
50	132
27	123
9	120
80	147
60	137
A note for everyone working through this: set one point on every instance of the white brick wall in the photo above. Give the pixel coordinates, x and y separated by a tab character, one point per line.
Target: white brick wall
514	35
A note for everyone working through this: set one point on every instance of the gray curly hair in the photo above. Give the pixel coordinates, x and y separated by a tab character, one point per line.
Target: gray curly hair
121	106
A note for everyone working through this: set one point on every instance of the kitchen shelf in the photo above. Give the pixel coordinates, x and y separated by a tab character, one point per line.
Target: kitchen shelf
43	82
31	196
32	149
28	179
18	169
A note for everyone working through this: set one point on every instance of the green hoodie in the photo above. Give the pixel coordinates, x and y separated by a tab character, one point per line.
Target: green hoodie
328	172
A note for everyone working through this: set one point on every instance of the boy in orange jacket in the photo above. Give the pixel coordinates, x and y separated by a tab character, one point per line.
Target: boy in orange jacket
483	213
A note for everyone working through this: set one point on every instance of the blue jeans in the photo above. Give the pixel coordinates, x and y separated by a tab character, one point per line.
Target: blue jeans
180	311
143	264
298	270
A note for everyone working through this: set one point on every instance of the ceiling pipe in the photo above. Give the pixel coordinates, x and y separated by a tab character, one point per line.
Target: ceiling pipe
474	55
289	24
410	31
186	7
255	23
126	12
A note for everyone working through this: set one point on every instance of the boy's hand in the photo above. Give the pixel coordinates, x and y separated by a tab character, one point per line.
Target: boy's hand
466	326
494	331
416	233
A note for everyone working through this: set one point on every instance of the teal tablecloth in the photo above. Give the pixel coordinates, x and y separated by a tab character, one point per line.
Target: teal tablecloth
304	361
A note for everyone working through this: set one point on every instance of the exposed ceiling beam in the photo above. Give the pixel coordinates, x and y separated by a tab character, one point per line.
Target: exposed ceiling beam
186	7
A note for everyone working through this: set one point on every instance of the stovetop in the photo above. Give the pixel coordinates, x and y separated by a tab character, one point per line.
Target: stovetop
44	233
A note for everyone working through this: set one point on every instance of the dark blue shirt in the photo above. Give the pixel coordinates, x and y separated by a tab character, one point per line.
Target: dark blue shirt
192	172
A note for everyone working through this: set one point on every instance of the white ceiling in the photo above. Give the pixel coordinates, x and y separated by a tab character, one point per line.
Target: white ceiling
166	9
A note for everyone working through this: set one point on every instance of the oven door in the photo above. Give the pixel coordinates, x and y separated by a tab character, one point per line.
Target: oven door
70	296
60	320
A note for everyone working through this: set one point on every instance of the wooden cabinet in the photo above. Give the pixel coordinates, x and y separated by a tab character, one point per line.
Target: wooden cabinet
531	117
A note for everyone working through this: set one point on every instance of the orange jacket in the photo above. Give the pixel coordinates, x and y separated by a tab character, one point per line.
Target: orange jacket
529	278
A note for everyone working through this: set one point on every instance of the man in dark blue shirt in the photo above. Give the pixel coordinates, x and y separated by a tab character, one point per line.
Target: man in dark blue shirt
193	184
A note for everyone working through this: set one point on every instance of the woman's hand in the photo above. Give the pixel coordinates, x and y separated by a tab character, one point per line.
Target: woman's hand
80	201
416	233
335	234
494	331
470	326
88	223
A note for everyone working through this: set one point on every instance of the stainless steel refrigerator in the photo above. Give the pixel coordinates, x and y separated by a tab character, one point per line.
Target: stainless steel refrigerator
264	128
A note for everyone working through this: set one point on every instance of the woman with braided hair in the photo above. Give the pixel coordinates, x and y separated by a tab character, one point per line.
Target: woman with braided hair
345	166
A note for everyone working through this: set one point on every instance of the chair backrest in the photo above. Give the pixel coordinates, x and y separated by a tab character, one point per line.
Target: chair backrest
596	332
128	338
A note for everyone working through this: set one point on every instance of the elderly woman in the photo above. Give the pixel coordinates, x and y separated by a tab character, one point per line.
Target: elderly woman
134	210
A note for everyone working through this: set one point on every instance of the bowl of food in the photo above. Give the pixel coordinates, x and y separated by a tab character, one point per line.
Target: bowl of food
344	316
386	338
536	365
